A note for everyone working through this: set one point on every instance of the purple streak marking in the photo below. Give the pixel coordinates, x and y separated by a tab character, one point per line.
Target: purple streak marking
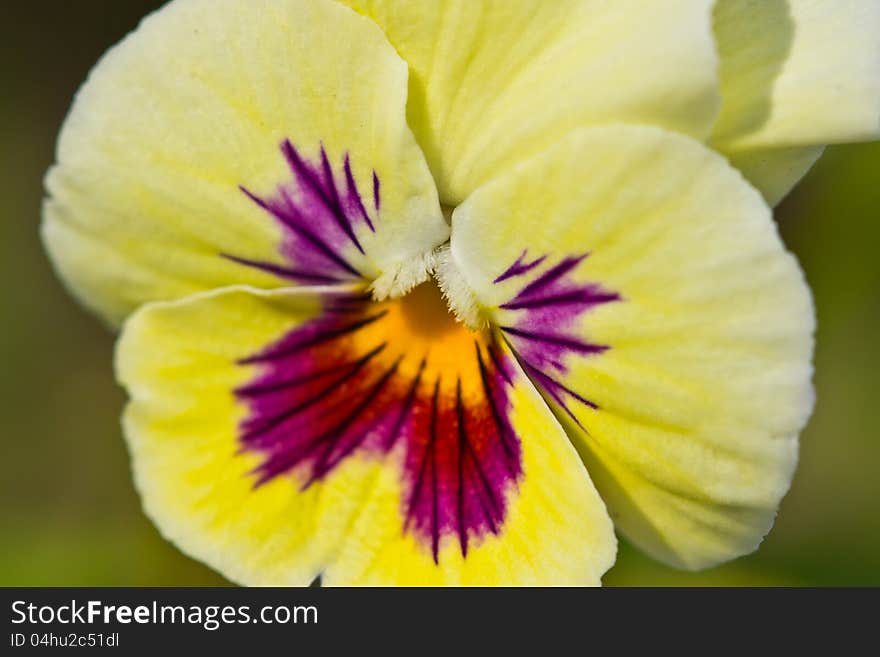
319	216
520	267
547	332
352	195
320	396
284	272
377	197
551	276
322	186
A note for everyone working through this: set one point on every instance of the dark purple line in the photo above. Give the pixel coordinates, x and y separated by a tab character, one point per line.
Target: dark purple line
305	172
488	513
273	422
298	452
283	272
256	390
556	340
549	379
462	434
377	198
331	193
303	232
540	375
342	310
459	409
339	430
335	205
353	191
354	298
405	409
551	383
520	267
417	489
302	170
575	297
435	526
331	438
499	424
497	363
487	487
325	336
256	199
297	456
429	454
483	478
312	237
354	303
551	275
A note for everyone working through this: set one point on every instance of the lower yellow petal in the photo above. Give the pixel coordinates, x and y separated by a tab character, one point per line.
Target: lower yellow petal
281	435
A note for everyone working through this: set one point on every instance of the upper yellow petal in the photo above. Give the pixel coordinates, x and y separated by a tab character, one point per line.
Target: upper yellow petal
379	449
795	75
494	82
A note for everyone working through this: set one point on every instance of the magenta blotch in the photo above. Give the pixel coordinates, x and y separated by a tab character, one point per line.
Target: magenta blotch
546	332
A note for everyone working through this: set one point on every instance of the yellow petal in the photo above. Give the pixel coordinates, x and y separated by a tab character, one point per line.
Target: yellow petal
371	443
207	144
644	288
795	73
493	82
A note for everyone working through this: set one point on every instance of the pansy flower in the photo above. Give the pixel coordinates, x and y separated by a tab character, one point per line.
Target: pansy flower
445	292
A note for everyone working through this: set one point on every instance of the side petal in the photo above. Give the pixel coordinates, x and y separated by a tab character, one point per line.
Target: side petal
240	142
643	286
330	434
494	82
795	73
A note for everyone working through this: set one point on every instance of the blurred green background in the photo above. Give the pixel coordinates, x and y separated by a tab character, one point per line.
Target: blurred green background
68	512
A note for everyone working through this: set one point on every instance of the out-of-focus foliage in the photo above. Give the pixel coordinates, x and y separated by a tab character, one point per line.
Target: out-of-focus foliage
68	511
